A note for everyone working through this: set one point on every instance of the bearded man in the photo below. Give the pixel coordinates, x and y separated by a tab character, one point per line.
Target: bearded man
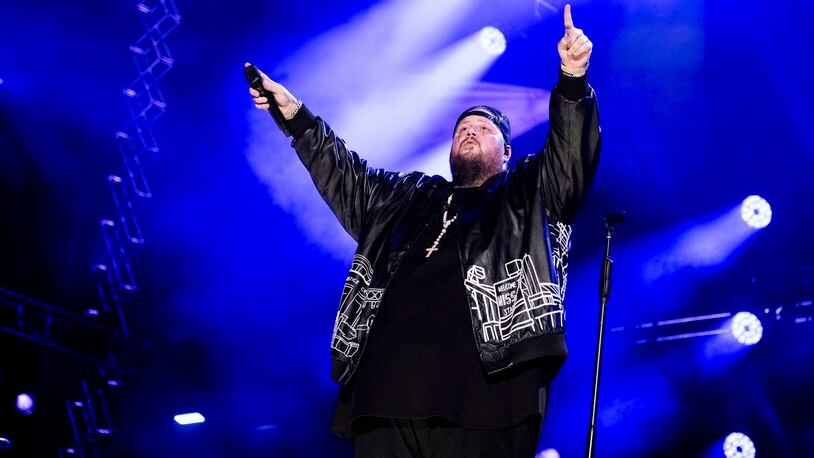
451	325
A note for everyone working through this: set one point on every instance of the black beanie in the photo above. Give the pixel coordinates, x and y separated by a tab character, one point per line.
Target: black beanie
492	114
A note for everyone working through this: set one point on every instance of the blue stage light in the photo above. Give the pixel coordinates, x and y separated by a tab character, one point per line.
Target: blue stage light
756	212
189	418
25	404
4	443
738	445
492	41
746	328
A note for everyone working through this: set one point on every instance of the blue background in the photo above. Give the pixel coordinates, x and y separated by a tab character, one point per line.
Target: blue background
701	105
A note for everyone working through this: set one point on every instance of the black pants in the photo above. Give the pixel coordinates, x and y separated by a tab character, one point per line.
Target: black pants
437	437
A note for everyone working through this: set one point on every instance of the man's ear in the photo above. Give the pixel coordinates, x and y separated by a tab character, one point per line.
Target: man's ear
507	153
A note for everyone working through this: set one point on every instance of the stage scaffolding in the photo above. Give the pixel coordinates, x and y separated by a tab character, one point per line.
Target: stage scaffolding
100	335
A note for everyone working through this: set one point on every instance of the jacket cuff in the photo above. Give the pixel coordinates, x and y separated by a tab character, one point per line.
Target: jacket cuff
572	88
301	122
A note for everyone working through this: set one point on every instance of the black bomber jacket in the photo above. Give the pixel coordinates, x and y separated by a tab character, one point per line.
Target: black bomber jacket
513	235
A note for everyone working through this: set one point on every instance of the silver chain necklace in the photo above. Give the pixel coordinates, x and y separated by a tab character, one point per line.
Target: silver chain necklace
446	222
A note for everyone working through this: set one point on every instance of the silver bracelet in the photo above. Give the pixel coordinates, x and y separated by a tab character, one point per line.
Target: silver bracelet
574	72
298	102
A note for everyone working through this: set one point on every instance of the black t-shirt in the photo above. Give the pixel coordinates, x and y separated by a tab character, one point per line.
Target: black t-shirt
421	360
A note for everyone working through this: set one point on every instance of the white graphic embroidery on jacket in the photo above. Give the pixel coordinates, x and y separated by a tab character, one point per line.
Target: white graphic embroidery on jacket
517	302
560	236
357	309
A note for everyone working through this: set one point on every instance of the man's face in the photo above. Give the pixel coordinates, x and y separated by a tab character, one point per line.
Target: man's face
477	152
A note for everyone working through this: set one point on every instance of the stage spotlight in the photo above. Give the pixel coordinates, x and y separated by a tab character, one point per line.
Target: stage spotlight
756	212
548	453
738	445
4	443
189	418
492	41
25	404
746	328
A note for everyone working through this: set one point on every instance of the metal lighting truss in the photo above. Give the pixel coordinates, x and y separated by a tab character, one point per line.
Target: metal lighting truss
121	233
798	314
95	336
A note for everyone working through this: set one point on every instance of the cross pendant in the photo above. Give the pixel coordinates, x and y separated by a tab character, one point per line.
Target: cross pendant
431	250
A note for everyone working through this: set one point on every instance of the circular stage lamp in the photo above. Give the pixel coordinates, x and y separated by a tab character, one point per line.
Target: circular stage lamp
746	328
25	403
492	41
548	453
738	445
756	212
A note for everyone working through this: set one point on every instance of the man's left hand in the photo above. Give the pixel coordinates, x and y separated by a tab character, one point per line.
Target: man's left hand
575	47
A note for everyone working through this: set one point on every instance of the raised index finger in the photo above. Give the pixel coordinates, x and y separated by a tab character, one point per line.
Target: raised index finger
569	23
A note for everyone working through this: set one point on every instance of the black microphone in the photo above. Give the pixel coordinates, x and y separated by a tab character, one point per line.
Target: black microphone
255	80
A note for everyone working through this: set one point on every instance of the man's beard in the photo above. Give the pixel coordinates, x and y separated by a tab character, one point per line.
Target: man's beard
473	170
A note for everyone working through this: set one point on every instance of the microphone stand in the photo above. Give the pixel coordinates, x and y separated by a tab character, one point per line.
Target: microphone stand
613	218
